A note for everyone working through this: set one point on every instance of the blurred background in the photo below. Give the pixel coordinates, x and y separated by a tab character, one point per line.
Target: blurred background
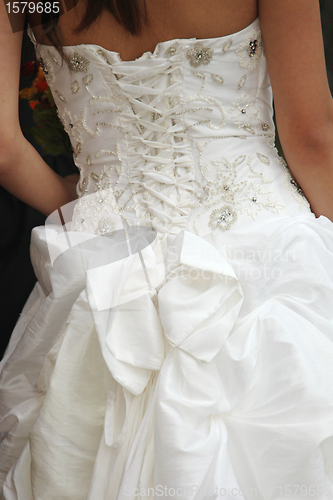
16	274
17	277
326	7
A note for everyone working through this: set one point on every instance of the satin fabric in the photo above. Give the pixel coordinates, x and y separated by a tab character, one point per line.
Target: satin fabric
179	341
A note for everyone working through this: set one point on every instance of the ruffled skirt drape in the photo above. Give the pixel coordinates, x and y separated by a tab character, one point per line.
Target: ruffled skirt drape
159	366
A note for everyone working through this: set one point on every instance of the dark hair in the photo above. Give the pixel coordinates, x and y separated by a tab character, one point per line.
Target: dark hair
131	14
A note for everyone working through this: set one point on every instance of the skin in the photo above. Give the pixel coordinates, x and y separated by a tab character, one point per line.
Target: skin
168	19
295	57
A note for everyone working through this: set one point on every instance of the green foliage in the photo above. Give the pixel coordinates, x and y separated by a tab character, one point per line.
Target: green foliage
49	132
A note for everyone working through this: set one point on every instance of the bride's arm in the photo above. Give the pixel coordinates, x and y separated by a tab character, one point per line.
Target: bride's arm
304	108
22	170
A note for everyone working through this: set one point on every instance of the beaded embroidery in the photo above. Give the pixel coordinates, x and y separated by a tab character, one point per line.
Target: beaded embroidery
47	70
265	127
78	63
134	132
293	187
106	227
226	46
75	87
217	78
245	113
249	52
102	54
171	51
199	54
61	96
53	57
243	197
242	82
222	218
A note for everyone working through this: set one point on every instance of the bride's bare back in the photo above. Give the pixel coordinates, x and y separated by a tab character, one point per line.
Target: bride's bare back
168	19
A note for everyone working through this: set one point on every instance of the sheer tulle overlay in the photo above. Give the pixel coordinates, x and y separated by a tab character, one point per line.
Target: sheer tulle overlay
179	341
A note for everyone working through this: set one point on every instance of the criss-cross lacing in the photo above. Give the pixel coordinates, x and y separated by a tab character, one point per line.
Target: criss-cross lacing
159	159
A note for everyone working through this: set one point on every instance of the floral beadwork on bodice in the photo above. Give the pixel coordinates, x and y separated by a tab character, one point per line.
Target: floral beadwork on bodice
181	136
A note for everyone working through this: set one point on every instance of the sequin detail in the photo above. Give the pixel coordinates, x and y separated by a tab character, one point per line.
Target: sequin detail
106	227
222	218
221	183
265	127
199	54
293	187
78	63
249	52
245	113
171	51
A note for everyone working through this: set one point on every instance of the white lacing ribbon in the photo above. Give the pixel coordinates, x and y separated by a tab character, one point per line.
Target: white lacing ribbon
160	164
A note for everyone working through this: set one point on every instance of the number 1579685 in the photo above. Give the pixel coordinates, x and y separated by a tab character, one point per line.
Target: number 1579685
32	7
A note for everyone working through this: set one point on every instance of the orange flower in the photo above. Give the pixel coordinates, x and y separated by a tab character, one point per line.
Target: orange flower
40	74
32	104
39	86
27	93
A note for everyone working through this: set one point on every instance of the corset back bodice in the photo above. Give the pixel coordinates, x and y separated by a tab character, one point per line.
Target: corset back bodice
179	138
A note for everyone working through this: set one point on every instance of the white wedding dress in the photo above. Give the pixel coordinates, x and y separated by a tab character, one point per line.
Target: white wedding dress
179	342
